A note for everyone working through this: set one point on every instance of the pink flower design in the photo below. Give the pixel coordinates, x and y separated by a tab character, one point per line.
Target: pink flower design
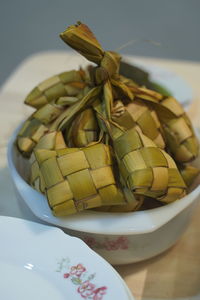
111	245
90	241
120	243
123	242
77	270
86	289
99	292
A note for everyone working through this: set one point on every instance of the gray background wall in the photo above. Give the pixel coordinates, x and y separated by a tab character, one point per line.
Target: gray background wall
29	26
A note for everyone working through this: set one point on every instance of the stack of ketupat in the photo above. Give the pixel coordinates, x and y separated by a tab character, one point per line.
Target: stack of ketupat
99	140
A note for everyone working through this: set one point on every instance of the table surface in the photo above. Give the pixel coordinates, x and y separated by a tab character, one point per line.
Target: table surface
174	274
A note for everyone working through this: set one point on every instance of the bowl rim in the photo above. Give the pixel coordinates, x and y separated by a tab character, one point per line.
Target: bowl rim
106	223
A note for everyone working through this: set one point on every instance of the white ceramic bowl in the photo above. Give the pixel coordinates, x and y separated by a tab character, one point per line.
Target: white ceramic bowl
121	238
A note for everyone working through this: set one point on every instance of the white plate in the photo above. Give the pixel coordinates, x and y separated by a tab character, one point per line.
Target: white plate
41	262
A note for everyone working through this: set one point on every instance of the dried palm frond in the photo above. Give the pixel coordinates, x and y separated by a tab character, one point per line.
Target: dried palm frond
84	129
134	205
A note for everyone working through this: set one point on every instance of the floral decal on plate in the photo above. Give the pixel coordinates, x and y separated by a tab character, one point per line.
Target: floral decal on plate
119	243
79	276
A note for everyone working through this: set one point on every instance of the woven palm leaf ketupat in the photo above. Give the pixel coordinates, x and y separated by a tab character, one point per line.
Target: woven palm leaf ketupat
146	169
137	114
69	83
177	128
38	124
77	179
99	140
50	141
